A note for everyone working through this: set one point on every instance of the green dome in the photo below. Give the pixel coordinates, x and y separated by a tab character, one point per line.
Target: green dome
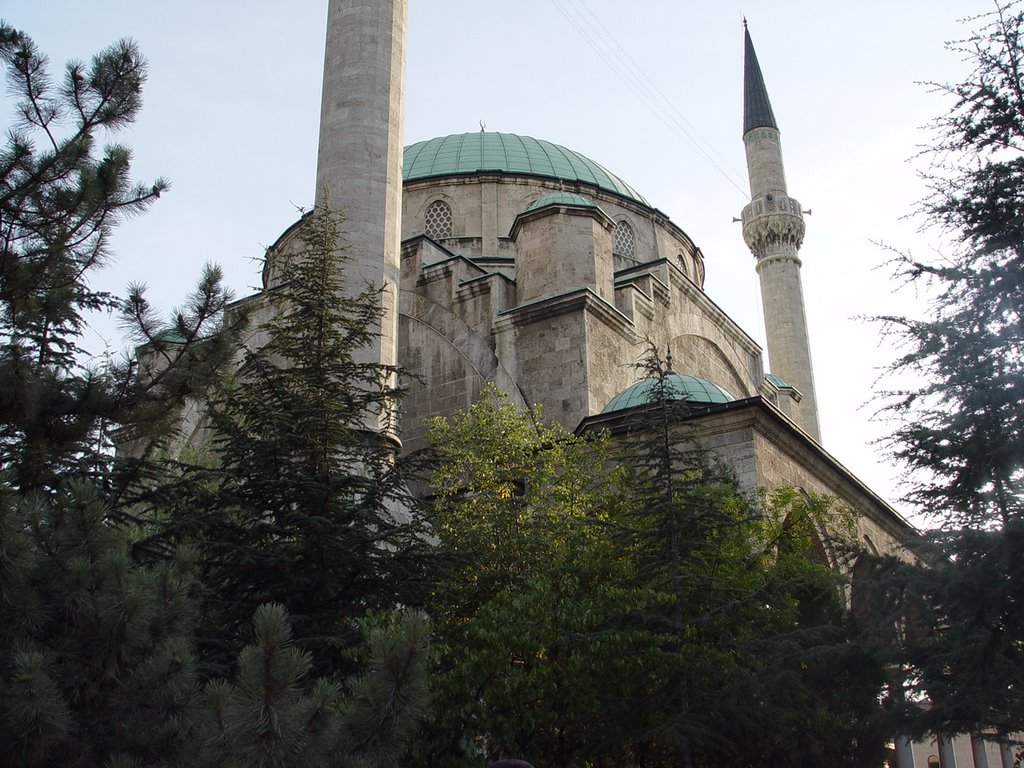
561	198
683	386
166	336
507	153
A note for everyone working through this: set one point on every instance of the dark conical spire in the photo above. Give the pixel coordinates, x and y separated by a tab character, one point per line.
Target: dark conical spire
757	109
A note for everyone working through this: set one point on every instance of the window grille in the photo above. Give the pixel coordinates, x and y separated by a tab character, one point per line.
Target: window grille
439	220
623	242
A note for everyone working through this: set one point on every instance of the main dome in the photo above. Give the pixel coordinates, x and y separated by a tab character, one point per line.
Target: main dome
508	153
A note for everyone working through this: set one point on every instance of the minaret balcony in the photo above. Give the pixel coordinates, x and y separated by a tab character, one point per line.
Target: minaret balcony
770	221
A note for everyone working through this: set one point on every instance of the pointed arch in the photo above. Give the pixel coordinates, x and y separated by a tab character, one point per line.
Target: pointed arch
798	531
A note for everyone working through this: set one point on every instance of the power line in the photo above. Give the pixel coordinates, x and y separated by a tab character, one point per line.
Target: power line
611	52
654	87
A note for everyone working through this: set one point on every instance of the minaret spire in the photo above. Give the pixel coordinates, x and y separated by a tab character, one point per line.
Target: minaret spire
773	228
757	108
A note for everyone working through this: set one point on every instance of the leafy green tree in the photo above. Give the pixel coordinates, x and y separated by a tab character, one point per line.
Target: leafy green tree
300	505
961	430
524	592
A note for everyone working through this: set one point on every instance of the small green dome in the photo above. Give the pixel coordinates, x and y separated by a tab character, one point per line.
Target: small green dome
561	198
778	381
170	336
166	336
682	386
463	153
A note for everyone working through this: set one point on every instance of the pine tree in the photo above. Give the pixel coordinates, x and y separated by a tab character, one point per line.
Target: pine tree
59	205
961	427
961	431
743	616
303	506
685	504
95	651
271	718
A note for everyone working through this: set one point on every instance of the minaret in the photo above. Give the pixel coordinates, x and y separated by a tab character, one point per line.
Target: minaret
773	228
359	164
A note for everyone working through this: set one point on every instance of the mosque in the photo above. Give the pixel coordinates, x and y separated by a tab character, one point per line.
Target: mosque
511	260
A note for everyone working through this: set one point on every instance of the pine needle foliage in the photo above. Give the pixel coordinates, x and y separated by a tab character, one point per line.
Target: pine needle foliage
273	717
961	431
955	626
741	608
95	652
96	660
61	198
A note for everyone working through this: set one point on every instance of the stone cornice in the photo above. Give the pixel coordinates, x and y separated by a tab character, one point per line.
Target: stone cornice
527	217
574	301
694	293
438	269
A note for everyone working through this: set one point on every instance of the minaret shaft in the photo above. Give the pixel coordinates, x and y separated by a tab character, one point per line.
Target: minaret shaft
359	165
765	170
773	228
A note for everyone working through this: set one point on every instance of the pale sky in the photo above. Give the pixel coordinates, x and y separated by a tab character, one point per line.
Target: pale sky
232	106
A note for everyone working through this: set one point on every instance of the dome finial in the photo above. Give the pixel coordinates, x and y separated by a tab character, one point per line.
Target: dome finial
483	126
668	361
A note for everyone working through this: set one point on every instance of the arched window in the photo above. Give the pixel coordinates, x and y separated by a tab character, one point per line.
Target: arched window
859	596
698	270
799	535
438	224
623	242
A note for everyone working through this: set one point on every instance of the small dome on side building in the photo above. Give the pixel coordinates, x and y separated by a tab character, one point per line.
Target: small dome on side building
682	386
